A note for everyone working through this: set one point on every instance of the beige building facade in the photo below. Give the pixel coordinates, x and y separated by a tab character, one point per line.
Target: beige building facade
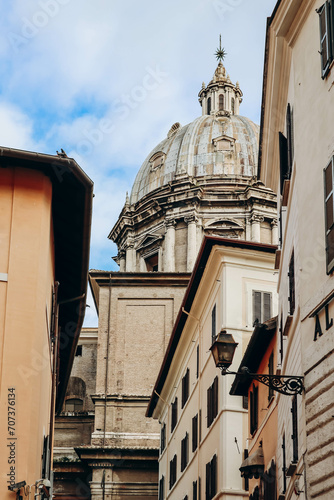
45	216
297	150
203	428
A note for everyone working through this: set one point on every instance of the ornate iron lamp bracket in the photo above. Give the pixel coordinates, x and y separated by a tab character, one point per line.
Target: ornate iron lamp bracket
289	385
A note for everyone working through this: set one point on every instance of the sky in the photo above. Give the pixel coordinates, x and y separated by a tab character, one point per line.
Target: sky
105	80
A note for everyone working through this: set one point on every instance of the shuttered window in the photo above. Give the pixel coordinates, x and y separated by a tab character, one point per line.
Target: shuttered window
161	488
284	464
289	138
253	409
197	361
329	214
174	414
194	490
283	155
212	402
172	472
213	324
163	438
292	293
269	483
211	478
326	44
261	306
194	433
184	452
185	388
294	429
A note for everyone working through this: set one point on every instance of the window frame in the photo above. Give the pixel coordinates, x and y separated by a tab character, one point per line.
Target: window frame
213	323
212	402
194	433
185	388
184	452
211	478
172	471
253	409
327	10
262	318
174	415
163	437
292	284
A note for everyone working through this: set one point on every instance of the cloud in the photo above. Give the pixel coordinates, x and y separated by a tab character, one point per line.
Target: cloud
16	128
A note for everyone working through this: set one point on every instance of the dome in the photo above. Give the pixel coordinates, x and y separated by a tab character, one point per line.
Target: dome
221	144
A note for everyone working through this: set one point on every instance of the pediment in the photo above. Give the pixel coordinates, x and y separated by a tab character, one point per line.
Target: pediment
226	228
149	240
223	143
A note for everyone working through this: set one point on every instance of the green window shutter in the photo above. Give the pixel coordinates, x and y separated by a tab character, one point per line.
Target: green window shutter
325	49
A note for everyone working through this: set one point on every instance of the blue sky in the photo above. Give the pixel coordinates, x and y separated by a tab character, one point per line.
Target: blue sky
105	81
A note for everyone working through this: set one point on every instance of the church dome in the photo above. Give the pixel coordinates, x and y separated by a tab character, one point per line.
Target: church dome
220	143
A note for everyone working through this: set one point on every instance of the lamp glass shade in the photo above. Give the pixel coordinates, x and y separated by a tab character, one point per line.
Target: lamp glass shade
223	349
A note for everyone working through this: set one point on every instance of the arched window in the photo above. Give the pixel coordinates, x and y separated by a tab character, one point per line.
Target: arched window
73	404
209	106
232	105
221	102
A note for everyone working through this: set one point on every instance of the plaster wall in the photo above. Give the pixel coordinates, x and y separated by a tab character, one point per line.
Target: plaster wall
27	270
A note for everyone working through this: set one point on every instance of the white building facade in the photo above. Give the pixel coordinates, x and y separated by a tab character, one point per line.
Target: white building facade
203	427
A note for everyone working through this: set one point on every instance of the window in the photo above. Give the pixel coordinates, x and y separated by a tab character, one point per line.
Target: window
211	479
78	352
232	105
73	404
291	275
246	479
283	155
294	429
326	41
289	138
281	338
161	488
271	372
194	433
213	324
185	389
184	452
197	361
284	463
172	472
152	263
253	396
329	214
194	490
174	415
221	102
212	402
261	307
200	426
209	106
163	438
269	482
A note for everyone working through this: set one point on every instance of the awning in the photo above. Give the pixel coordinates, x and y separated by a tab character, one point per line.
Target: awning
253	466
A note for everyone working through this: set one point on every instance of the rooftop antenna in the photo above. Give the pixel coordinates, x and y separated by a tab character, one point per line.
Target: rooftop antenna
221	52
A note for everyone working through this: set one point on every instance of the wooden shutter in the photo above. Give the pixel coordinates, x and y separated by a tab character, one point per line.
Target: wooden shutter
215	398
213	324
294	429
291	275
207	481
283	154
266	306
329	215
289	137
271	372
194	490
284	464
163	438
161	488
174	415
325	49
209	406
213	476
194	432
256	406
256	307
197	361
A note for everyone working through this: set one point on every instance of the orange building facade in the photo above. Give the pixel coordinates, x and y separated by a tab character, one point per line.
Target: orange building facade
45	217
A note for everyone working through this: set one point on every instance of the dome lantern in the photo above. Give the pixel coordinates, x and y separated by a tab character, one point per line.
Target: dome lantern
220	97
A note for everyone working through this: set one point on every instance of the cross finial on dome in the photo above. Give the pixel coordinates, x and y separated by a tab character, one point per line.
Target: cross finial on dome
221	52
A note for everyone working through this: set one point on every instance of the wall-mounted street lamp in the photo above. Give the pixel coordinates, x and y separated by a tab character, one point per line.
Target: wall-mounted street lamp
223	350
